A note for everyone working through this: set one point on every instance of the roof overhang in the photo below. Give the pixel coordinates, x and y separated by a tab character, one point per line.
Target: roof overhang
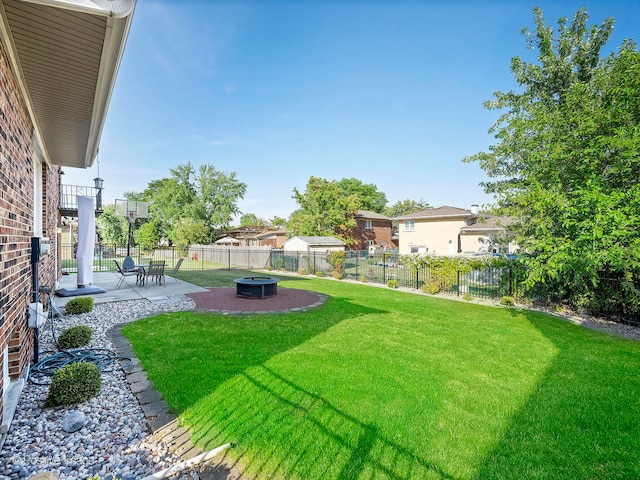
65	55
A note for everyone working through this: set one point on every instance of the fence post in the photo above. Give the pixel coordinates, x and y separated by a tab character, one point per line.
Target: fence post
314	262
417	286
357	256
229	259
458	272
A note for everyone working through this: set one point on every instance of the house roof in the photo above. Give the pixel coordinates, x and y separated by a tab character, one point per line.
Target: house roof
487	223
371	215
272	233
439	212
320	241
65	55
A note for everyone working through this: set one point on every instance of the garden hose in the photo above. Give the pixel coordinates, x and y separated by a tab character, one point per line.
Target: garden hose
106	360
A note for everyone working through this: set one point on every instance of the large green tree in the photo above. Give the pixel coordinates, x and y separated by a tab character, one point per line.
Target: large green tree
566	165
324	210
208	196
370	198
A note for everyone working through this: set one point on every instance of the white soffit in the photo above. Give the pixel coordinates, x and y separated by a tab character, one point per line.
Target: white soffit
67	54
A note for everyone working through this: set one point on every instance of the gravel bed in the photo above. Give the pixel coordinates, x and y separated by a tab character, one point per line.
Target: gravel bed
116	437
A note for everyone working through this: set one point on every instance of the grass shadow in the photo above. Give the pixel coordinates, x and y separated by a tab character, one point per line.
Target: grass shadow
325	441
581	420
180	343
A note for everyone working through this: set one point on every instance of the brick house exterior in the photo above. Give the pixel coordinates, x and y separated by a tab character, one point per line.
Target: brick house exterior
28	207
371	230
41	75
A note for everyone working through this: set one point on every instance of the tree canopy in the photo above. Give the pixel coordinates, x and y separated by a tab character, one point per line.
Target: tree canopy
325	210
370	198
566	165
206	196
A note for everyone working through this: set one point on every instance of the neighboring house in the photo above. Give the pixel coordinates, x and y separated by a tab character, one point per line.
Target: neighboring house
58	64
373	230
272	238
450	230
313	244
486	235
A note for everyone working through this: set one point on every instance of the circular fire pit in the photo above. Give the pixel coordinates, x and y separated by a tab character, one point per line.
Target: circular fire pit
256	287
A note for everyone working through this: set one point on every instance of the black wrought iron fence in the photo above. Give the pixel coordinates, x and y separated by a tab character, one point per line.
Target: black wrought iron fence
380	268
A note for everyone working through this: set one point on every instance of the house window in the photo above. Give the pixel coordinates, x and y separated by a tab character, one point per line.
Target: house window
409	225
367	224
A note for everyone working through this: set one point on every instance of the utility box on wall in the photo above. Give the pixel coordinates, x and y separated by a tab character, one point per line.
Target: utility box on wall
39	246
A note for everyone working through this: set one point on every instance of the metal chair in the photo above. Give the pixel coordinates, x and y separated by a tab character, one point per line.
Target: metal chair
126	272
175	269
156	272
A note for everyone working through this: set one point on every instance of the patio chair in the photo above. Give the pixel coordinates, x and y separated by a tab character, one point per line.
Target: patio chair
175	269
156	272
126	272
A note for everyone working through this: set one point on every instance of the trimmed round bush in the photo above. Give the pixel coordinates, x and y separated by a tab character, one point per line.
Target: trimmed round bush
79	305
392	284
74	337
74	383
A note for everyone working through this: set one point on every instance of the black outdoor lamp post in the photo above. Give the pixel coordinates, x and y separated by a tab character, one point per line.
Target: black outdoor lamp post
98	182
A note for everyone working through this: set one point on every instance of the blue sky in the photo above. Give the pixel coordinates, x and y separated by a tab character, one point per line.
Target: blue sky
389	92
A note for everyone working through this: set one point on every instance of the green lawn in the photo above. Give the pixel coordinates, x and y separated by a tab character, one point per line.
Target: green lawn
379	383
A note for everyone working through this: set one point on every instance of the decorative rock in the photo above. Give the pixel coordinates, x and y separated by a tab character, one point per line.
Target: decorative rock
116	418
73	422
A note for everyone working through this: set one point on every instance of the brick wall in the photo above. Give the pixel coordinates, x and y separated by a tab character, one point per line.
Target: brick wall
16	223
380	231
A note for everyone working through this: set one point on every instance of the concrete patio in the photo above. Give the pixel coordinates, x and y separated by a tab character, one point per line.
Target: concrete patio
128	290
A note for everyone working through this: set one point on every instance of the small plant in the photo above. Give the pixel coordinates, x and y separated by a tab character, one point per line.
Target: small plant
269	268
363	279
392	284
73	383
337	275
74	337
508	301
302	271
319	274
431	287
468	297
79	305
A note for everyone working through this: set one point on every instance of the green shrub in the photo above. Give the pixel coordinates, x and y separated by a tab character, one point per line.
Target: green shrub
431	287
337	260
74	337
508	301
363	279
392	284
79	305
468	297
269	268
302	271
74	383
319	274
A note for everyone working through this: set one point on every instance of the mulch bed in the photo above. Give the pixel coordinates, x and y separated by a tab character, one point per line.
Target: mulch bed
223	299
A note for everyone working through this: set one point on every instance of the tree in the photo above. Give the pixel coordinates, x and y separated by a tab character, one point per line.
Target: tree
566	166
113	230
278	222
149	235
209	196
189	231
324	210
217	197
370	198
403	207
252	220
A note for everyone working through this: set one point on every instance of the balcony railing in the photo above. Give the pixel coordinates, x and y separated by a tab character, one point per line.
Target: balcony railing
69	198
